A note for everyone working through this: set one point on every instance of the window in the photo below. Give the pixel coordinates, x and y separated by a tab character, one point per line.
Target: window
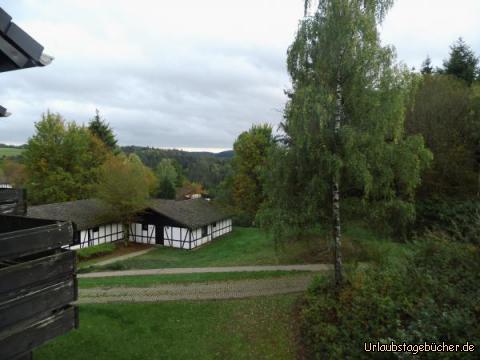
145	227
204	231
95	229
214	224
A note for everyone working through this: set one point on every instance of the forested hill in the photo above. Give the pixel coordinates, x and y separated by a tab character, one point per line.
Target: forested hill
206	168
174	153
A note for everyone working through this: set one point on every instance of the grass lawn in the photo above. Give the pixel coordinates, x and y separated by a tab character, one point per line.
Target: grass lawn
250	246
367	246
7	152
91	255
94	251
259	328
152	280
244	246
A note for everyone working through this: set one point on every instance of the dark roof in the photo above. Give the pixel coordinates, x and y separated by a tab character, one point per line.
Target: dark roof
18	50
191	213
84	213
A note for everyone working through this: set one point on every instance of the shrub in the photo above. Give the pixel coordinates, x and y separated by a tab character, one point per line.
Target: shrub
460	220
241	218
430	295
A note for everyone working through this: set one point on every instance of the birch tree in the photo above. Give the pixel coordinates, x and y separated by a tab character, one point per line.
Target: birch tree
343	129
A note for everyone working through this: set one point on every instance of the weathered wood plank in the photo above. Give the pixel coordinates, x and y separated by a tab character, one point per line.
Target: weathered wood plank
27	356
9	223
19	279
12	201
23	339
50	297
10	195
30	241
18	208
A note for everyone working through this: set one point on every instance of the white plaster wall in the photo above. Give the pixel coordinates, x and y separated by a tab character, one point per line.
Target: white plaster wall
222	227
174	236
137	234
118	236
105	234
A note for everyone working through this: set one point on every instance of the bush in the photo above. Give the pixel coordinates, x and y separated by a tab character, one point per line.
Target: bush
430	295
460	220
393	218
242	219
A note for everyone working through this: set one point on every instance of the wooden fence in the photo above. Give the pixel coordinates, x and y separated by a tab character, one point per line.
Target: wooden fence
37	284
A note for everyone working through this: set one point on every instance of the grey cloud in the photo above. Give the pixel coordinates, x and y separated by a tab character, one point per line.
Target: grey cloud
157	87
204	104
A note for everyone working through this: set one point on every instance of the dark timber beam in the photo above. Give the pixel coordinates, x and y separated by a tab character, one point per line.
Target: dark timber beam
3	112
18	50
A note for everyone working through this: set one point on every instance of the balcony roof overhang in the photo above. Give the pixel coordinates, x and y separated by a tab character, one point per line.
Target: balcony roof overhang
18	50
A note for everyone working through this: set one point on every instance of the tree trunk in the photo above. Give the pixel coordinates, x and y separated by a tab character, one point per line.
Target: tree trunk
478	184
126	233
337	234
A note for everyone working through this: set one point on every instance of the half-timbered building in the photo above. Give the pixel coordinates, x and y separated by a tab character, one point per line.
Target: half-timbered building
89	219
183	224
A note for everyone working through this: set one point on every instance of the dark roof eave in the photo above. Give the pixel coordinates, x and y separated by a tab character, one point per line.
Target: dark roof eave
191	226
16	45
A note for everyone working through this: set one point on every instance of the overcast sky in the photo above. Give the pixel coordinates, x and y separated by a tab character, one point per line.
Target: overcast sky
187	74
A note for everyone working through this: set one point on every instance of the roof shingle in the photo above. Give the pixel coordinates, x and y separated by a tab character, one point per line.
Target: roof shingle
192	213
86	214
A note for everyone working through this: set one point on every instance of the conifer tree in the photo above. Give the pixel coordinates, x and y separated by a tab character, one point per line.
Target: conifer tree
427	68
102	130
462	62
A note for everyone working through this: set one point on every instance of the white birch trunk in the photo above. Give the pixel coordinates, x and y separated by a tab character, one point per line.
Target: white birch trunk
337	234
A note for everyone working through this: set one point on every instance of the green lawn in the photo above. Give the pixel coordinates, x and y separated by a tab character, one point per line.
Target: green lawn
98	250
259	328
152	280
7	152
251	246
244	246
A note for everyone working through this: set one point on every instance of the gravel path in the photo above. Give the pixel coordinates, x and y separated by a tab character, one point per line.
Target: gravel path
123	257
197	291
306	267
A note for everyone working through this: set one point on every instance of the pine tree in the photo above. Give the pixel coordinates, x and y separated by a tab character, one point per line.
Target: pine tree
462	62
101	129
343	126
427	68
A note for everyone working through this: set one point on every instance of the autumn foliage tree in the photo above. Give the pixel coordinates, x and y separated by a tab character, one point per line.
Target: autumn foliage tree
14	173
125	186
62	161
